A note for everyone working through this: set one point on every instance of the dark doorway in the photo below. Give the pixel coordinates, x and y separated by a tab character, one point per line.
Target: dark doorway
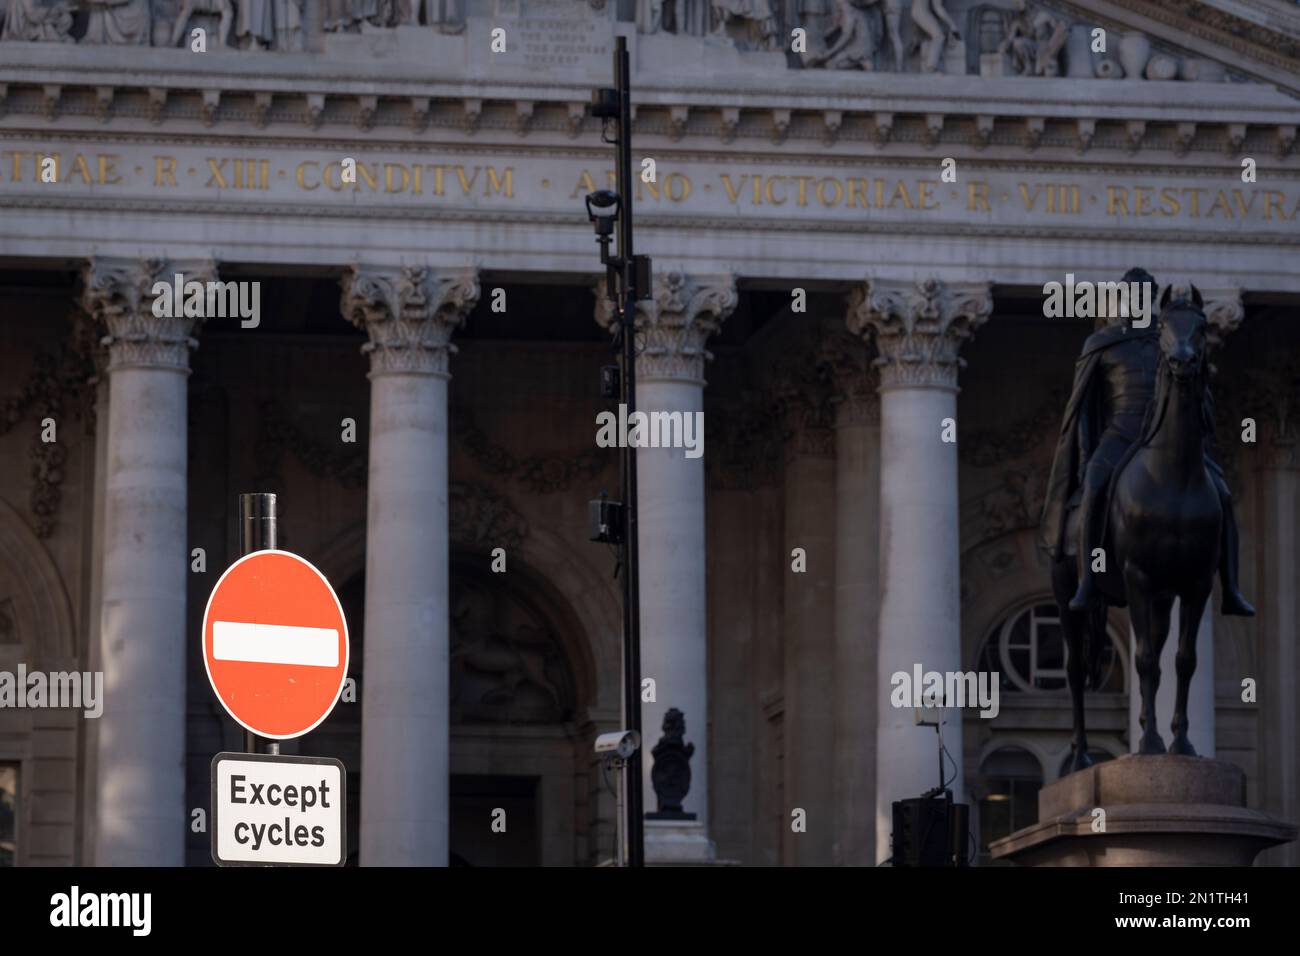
477	838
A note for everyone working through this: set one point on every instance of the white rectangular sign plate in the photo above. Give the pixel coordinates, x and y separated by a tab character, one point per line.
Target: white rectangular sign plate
278	811
275	644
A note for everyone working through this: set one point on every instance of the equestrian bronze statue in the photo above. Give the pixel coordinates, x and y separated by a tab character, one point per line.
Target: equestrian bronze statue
1137	511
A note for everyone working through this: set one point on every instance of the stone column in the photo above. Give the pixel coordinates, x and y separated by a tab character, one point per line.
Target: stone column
410	314
89	812
808	760
919	328
1277	662
142	638
857	598
672	329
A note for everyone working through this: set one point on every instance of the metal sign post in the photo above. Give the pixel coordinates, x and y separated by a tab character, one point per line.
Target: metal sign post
257	533
276	651
627	281
635	829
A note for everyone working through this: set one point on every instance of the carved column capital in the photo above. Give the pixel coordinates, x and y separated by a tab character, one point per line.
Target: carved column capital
746	441
119	295
1224	312
410	314
919	327
801	395
855	380
674	324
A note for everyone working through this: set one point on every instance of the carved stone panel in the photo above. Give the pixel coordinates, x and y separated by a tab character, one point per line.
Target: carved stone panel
507	664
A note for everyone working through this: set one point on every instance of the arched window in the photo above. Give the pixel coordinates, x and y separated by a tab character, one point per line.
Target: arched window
1028	650
1007	790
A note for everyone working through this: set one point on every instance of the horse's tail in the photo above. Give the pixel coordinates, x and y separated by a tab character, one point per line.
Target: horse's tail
1095	644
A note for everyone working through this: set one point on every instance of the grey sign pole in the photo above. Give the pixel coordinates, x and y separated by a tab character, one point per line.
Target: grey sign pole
257	533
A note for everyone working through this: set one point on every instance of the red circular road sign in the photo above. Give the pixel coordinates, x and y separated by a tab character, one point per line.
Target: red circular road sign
275	644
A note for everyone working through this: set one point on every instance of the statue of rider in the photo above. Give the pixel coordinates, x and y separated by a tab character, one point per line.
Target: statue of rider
1114	382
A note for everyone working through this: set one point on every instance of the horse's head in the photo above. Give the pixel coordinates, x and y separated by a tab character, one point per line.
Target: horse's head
1182	332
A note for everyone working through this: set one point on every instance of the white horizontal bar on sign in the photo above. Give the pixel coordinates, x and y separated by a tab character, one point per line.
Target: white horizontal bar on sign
275	644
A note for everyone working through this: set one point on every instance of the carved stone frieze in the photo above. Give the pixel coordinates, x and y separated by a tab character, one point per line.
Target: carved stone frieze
278	433
57	389
541	474
508	664
482	519
992	447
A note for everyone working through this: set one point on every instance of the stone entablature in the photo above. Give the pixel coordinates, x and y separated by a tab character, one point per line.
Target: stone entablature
1053	171
703	70
1031	38
318	92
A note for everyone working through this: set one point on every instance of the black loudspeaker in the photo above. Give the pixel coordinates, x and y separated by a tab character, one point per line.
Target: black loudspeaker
959	831
605	521
930	831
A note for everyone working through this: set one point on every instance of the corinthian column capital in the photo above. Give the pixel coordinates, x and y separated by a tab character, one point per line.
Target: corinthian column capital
674	324
1224	312
142	329
410	313
855	380
919	327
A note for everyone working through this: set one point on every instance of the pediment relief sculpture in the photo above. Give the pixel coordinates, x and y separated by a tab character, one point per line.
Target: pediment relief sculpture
37	21
989	38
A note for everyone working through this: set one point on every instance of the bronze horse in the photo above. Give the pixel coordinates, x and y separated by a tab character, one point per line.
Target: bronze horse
1162	537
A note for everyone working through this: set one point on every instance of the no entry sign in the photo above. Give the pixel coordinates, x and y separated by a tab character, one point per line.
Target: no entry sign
275	644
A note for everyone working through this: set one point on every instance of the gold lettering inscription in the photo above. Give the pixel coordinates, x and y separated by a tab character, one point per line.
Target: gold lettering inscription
500	184
677	186
749	190
164	170
1116	200
774	181
218	176
78	166
300	175
108	175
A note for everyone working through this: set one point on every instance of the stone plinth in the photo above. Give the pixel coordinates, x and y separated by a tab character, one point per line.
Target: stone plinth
678	843
1159	811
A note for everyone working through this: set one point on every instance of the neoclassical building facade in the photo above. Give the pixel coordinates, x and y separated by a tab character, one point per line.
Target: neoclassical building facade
852	211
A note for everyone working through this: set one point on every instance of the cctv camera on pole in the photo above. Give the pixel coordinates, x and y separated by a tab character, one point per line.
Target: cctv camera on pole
627	280
615	749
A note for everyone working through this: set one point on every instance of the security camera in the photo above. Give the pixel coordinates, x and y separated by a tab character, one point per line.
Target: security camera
620	744
602	209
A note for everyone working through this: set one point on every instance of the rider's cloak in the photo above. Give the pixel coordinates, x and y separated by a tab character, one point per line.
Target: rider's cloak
1081	430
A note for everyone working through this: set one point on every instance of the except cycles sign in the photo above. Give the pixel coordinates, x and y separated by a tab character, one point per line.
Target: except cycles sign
271	809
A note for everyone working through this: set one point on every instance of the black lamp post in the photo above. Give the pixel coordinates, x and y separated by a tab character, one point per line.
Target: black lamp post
628	280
